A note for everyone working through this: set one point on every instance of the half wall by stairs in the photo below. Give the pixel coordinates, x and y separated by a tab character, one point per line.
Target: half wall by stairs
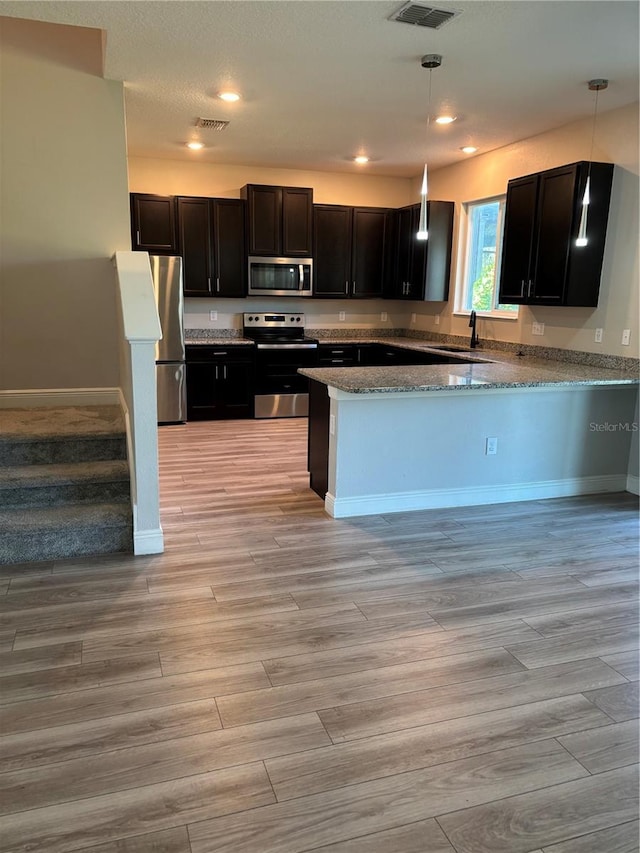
64	483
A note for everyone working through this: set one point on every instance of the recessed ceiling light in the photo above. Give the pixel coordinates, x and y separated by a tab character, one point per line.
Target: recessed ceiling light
469	149
361	159
229	96
445	119
195	146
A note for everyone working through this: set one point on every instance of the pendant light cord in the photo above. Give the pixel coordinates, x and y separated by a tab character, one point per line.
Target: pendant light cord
593	129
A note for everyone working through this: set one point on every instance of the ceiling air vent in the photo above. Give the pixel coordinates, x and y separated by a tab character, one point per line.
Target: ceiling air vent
212	123
423	16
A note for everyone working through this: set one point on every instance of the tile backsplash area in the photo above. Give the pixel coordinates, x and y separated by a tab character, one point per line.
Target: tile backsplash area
319	314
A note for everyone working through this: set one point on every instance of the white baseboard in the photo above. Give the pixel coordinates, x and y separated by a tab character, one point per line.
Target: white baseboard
148	541
31	398
442	498
633	484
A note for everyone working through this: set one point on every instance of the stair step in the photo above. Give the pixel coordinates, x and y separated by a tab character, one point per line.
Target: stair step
64	531
50	485
38	436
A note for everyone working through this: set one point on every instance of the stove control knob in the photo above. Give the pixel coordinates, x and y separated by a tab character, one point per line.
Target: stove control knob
298	319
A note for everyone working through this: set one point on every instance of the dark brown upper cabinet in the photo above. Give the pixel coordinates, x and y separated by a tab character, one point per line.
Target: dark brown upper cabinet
541	263
153	224
421	268
350	258
212	244
280	220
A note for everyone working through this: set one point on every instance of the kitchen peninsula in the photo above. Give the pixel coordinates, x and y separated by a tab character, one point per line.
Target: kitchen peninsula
389	439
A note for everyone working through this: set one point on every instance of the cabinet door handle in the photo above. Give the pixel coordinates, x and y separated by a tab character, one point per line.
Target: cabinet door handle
522	286
224	371
138	236
216	372
529	288
209	283
220	352
346	287
218	284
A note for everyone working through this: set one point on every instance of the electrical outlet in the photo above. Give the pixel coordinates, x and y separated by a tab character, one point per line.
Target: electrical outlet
213	315
491	447
437	319
598	337
537	329
413	318
626	337
383	316
342	316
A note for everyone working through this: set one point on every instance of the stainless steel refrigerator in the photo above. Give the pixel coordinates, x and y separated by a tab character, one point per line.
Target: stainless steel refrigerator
170	364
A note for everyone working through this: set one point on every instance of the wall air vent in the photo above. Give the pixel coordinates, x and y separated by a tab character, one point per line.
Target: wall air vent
424	16
212	123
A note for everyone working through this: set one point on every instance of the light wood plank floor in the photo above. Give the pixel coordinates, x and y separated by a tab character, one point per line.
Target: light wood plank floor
452	681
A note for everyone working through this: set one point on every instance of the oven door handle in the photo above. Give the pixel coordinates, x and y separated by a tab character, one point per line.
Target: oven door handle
286	346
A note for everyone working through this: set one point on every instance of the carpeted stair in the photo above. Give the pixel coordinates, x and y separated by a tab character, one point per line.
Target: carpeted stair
64	483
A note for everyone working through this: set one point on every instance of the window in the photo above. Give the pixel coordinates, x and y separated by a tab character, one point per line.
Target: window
482	225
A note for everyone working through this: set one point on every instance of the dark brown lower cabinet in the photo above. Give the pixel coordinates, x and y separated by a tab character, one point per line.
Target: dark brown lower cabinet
219	382
318	438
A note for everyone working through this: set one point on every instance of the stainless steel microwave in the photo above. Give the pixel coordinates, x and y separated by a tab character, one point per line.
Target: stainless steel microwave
280	276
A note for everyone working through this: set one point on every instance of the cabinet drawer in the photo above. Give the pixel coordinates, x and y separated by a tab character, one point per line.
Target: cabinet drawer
207	353
337	355
337	362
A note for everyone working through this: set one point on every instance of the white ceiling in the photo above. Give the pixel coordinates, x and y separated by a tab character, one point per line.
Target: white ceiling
323	80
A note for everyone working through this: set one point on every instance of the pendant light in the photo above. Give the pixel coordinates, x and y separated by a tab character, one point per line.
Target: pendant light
596	85
430	61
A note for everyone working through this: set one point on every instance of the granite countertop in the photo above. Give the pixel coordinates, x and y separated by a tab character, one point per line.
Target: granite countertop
489	370
215	342
486	369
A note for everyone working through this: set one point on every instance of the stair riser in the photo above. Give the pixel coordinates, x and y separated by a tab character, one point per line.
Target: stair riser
55	545
44	452
65	494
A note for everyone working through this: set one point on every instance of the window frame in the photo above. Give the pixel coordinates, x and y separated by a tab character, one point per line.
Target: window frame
464	251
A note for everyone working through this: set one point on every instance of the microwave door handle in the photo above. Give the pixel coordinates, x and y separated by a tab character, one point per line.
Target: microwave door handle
301	275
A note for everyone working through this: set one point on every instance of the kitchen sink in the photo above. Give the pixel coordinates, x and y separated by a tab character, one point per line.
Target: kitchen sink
450	348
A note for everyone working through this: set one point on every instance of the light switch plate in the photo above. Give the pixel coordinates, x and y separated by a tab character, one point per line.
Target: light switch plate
626	337
598	337
537	329
491	446
213	315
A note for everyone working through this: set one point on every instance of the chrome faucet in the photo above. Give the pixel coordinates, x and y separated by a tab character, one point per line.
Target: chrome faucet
474	337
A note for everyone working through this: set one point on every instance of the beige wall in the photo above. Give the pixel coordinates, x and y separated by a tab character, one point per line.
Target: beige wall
486	175
184	177
64	208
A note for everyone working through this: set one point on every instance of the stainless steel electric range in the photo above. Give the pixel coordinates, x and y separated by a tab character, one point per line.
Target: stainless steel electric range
281	348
